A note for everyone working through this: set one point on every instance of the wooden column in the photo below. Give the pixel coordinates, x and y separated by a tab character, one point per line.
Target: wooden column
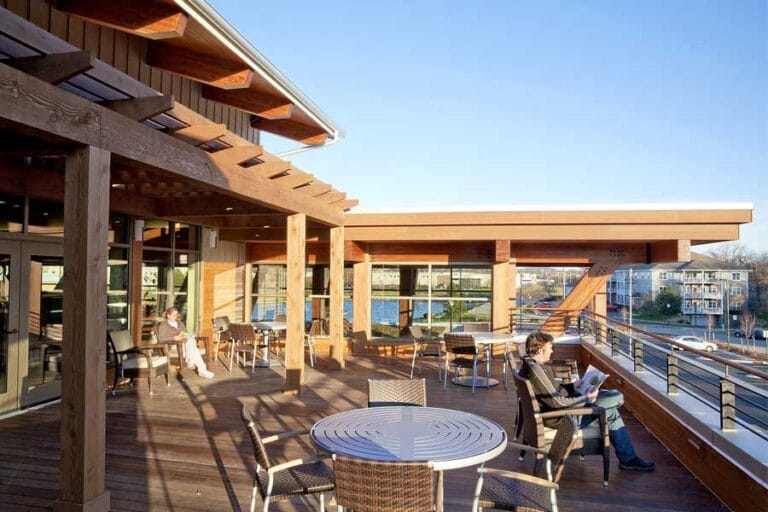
500	298
294	334
336	328
134	289
512	269
86	220
361	304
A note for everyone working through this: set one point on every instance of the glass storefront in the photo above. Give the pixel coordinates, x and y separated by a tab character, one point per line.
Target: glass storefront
169	272
438	297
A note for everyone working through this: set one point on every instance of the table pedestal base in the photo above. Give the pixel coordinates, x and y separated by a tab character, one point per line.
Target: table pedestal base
480	382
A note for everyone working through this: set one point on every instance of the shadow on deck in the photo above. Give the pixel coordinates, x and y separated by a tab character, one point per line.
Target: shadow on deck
185	449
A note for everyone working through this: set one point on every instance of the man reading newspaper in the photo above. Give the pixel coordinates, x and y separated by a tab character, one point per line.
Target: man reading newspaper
553	396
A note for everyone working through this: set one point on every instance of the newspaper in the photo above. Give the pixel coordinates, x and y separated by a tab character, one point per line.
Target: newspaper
592	380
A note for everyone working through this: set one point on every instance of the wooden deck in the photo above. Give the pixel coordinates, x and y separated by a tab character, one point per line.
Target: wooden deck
185	448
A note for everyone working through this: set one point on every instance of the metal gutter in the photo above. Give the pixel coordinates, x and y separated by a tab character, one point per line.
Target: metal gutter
218	26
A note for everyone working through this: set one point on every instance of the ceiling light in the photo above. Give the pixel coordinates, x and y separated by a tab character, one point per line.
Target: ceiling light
228	208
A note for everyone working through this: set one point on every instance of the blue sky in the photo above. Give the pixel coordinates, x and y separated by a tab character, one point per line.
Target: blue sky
451	104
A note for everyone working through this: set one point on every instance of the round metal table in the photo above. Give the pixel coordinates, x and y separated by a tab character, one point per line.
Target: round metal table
447	438
487	340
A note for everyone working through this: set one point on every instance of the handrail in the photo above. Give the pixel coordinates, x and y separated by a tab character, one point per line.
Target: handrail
670	341
610	332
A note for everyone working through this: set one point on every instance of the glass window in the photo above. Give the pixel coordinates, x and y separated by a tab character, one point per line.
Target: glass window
46	218
736	276
157	233
118	229
268	292
117	289
11	213
185	237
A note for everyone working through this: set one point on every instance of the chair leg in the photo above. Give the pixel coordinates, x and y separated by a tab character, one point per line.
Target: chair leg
606	467
445	374
322	502
168	378
474	374
413	361
149	380
266	504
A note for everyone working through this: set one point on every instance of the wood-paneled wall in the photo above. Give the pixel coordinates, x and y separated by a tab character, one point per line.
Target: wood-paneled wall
126	53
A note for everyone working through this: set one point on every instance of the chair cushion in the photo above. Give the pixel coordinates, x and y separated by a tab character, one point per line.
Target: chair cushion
591	431
134	363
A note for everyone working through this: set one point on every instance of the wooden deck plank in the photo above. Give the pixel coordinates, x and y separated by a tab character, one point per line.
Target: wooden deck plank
185	449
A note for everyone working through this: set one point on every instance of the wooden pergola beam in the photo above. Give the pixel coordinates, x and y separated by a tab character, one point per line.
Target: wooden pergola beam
141	109
306	134
55	68
151	20
200	134
237	154
250	100
294	179
201	67
65	116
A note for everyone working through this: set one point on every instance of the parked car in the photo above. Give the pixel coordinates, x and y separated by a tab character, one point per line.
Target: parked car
612	307
758	334
694	342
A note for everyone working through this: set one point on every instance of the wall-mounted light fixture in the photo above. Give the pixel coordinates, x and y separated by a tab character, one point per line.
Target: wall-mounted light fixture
213	238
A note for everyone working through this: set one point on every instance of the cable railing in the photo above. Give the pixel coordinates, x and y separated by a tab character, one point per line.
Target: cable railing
737	391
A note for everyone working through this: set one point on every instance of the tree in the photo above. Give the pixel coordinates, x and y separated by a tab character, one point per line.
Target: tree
747	323
667	303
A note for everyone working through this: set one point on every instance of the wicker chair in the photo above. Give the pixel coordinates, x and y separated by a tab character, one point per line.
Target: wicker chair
507	490
592	440
461	345
308	475
397	392
132	361
244	341
423	347
221	334
373	486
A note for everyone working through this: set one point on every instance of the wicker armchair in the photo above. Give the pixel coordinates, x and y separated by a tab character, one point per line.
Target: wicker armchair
373	486
423	347
221	334
507	490
132	361
592	440
466	354
397	392
244	341
309	475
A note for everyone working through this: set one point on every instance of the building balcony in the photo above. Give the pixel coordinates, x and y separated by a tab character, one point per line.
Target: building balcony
702	311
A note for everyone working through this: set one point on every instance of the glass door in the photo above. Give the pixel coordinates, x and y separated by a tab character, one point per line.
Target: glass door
42	295
9	325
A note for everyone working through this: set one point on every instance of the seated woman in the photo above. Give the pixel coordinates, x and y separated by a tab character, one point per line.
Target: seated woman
172	328
553	396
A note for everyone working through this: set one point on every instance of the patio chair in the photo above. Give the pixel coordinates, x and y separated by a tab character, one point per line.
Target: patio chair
221	334
423	347
308	475
244	341
383	392
592	440
508	490
465	355
315	330
133	362
374	486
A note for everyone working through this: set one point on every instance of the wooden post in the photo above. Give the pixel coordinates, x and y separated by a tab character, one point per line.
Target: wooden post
407	289
361	303
512	269
134	289
500	305
336	327
86	220
294	334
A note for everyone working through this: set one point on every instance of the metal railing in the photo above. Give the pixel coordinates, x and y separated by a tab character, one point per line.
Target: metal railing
738	392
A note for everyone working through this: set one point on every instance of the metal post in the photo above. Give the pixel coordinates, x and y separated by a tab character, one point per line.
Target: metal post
672	374
614	339
727	405
578	324
638	357
631	299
